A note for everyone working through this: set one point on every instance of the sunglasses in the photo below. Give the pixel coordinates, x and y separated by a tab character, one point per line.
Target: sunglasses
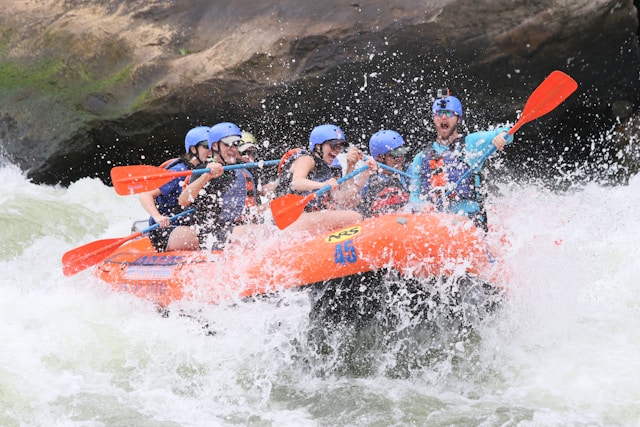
232	143
444	113
249	153
335	145
396	154
204	144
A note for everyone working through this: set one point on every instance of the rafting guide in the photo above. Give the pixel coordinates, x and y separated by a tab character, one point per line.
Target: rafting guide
446	173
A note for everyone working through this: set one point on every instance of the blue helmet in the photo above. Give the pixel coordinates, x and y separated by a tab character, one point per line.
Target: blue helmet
221	130
321	134
195	136
448	103
384	141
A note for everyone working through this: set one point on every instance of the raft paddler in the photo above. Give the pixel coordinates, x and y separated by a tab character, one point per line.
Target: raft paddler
162	203
446	173
305	171
386	191
219	197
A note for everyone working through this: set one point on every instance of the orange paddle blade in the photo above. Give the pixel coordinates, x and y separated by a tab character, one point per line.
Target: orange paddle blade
548	95
90	254
288	208
140	178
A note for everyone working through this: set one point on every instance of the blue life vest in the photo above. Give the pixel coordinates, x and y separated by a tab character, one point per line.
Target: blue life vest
442	172
237	197
167	202
441	183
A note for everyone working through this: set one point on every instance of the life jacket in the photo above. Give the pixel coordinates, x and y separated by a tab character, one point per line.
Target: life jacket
217	205
383	194
167	202
440	176
238	198
168	164
441	173
239	202
289	157
321	172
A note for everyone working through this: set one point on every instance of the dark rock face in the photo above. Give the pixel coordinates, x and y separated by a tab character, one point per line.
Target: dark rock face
93	84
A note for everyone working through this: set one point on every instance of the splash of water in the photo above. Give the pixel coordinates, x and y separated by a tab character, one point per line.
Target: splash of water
561	351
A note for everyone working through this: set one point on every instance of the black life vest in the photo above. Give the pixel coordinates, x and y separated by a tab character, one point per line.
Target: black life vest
321	172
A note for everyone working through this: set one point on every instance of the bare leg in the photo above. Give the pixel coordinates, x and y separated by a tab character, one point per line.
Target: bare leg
308	224
248	235
326	220
183	238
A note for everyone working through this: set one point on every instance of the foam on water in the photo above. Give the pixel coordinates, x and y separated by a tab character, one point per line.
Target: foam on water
563	351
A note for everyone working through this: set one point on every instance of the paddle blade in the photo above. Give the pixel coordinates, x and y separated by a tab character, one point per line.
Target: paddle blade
90	254
288	208
548	95
141	178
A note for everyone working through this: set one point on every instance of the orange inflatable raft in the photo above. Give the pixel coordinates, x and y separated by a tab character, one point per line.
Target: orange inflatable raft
415	246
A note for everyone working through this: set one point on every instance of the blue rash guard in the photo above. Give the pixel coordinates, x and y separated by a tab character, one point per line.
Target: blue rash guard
456	159
167	202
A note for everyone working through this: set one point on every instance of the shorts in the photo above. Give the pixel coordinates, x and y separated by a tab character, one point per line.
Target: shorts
160	237
213	239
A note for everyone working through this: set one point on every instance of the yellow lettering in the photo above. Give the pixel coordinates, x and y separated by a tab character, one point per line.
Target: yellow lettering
342	235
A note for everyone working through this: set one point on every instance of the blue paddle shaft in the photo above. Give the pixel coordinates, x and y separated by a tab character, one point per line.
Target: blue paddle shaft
173	218
394	170
239	166
343	179
389	168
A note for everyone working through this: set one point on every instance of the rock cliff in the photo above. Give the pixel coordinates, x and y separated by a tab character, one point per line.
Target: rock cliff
89	84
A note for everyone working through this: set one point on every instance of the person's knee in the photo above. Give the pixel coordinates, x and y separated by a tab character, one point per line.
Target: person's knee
353	216
183	238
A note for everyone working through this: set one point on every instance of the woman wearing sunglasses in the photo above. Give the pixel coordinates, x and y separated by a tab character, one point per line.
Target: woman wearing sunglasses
219	197
446	174
306	171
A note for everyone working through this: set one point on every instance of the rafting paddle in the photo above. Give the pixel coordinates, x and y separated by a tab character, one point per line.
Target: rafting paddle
394	170
141	178
92	253
288	208
548	95
389	168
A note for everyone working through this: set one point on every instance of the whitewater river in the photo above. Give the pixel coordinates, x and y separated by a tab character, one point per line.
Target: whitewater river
563	351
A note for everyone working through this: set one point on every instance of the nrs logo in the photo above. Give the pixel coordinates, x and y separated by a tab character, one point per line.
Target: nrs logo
342	235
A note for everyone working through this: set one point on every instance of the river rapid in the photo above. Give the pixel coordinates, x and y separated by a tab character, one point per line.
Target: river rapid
564	350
